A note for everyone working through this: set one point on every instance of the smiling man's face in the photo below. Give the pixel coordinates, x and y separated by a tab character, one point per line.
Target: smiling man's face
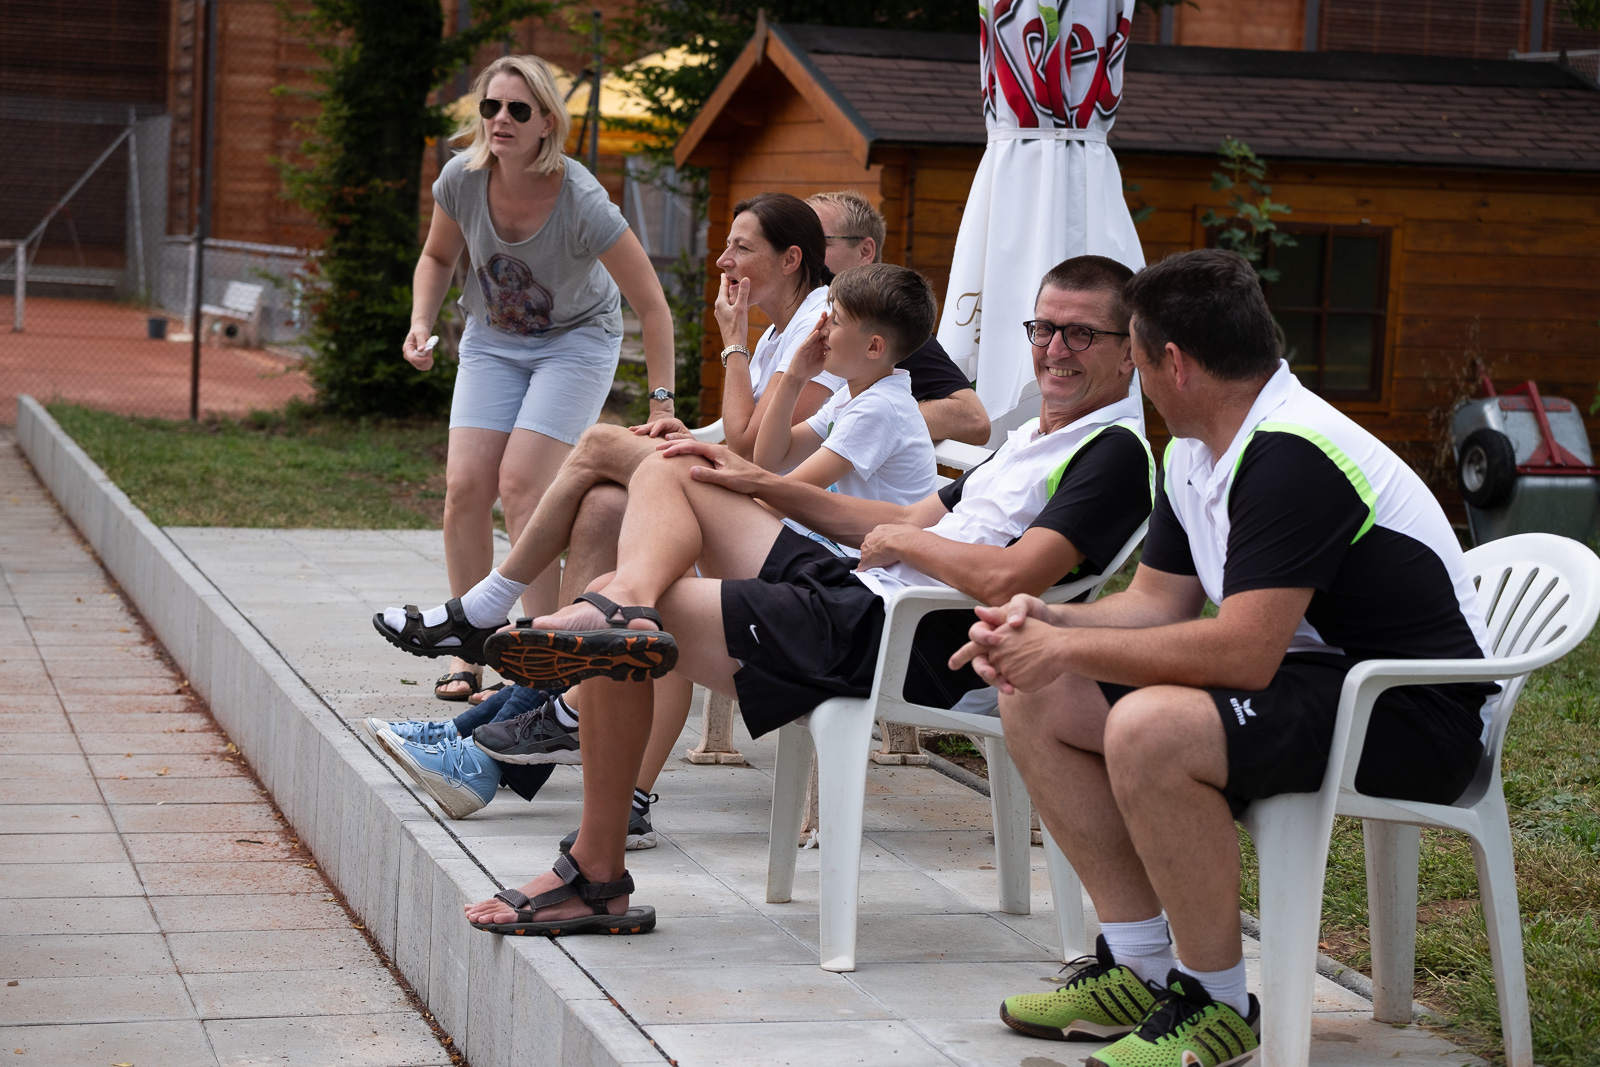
1072	384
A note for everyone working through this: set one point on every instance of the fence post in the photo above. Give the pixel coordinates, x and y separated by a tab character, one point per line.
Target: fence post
20	290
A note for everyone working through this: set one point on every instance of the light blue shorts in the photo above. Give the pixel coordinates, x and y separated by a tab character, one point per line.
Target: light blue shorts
552	385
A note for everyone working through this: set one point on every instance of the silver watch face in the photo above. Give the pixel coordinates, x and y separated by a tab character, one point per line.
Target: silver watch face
660	394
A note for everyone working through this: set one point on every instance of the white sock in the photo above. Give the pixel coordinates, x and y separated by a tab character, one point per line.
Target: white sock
1225	986
489	602
566	714
1144	947
486	604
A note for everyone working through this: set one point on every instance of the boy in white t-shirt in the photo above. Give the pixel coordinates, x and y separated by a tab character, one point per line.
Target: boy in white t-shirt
867	440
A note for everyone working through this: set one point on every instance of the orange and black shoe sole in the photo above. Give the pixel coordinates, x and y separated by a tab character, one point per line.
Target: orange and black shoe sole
546	658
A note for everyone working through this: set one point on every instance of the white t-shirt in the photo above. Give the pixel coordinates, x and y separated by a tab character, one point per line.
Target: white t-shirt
775	350
883	436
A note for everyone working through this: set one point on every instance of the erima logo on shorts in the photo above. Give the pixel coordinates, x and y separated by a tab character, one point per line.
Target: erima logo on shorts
1242	710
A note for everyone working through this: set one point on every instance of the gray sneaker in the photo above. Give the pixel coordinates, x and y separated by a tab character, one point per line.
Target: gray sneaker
533	737
640	833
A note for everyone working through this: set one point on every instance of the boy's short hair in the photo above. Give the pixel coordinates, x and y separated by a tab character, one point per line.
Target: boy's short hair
1092	274
1209	303
859	217
894	302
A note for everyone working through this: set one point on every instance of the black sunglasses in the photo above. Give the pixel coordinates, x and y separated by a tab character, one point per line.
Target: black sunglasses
1077	337
489	108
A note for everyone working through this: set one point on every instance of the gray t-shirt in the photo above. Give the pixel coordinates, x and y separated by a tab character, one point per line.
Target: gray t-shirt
551	282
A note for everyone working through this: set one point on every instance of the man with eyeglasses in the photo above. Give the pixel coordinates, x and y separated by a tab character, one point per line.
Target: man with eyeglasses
854	230
1057	500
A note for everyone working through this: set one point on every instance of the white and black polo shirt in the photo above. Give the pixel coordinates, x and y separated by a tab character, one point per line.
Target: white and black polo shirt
1092	481
1305	498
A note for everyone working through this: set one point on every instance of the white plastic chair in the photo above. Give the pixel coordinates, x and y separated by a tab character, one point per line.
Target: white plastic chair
1541	595
840	732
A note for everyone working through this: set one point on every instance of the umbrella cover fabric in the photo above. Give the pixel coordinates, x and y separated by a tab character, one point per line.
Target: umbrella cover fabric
1047	187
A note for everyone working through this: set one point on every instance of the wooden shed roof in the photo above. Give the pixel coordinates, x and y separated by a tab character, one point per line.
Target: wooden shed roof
900	88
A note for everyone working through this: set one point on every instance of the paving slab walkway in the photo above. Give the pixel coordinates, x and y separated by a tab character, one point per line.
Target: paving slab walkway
728	979
154	910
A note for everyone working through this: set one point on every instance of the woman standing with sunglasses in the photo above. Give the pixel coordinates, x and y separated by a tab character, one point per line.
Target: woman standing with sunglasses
548	253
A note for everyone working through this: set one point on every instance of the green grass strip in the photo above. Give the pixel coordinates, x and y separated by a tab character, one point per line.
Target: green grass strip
272	470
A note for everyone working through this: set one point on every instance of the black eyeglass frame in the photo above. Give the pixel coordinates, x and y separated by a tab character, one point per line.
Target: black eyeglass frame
489	107
1062	329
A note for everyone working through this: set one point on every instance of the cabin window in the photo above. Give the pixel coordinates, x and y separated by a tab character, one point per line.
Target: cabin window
1331	299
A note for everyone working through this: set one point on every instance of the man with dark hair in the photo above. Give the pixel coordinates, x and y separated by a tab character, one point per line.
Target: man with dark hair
1061	497
1142	729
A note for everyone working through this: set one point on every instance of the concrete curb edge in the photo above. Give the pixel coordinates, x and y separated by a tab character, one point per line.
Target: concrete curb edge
396	864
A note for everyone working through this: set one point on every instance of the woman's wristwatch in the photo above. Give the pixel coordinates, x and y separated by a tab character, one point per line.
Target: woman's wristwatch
731	349
661	394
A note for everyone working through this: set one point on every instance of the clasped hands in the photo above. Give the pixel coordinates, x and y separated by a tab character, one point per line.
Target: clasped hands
1015	646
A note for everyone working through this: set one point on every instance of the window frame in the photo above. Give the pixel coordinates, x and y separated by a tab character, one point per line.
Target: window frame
1381	312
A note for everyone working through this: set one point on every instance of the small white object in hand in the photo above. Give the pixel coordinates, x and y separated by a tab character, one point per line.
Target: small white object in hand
427	346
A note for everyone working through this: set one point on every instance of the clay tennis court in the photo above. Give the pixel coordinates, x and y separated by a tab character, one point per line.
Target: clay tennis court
97	354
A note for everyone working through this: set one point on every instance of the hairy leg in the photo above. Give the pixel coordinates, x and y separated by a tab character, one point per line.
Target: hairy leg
1055	735
603	454
615	732
671	522
1166	754
530	465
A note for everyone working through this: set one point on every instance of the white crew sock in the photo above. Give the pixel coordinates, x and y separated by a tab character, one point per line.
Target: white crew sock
1225	986
1144	947
566	714
485	604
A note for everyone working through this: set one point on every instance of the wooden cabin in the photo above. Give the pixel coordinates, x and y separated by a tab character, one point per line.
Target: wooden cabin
1447	210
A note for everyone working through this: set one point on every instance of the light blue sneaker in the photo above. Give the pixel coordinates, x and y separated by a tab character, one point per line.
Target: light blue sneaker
454	772
420	731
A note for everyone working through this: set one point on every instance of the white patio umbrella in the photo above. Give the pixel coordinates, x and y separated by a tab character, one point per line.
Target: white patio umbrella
1048	186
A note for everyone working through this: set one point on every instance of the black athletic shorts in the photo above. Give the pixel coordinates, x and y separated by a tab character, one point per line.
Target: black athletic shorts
806	629
1422	744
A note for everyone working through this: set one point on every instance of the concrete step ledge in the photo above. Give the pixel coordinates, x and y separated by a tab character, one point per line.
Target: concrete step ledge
400	868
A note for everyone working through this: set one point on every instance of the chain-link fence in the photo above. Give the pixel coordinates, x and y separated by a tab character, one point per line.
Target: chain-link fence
97	219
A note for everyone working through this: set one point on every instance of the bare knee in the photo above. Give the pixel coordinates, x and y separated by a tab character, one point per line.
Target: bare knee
471	486
1153	733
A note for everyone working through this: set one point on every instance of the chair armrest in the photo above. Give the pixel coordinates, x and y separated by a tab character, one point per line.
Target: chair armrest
958	455
710	435
1369	679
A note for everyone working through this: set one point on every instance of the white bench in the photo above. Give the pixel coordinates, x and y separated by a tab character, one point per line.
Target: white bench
237	320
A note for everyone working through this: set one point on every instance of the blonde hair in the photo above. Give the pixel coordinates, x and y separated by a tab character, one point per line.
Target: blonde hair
536	74
858	218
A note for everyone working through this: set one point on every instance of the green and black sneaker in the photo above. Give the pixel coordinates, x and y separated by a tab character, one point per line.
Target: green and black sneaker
1186	1028
1102	1000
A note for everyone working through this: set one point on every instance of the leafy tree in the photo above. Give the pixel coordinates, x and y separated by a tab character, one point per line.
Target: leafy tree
1585	14
362	180
1249	229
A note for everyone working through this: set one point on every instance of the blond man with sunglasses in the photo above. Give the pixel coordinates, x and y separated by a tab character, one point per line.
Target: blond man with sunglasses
549	257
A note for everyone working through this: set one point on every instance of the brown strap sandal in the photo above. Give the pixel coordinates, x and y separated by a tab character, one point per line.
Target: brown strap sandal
640	920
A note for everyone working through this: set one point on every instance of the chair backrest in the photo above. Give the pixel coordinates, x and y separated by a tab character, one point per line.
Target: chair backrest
1540	593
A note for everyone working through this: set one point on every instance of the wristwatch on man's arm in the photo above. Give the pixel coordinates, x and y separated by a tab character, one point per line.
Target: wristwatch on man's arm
661	394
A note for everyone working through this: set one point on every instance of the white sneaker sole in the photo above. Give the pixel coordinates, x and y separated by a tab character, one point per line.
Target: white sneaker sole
565	757
372	726
457	800
638	841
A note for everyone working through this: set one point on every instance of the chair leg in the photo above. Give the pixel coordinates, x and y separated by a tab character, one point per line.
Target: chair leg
1293	862
1067	891
1392	850
1008	800
788	809
1497	885
842	731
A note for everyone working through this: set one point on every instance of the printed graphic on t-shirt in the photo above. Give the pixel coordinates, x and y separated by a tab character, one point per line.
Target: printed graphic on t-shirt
513	300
